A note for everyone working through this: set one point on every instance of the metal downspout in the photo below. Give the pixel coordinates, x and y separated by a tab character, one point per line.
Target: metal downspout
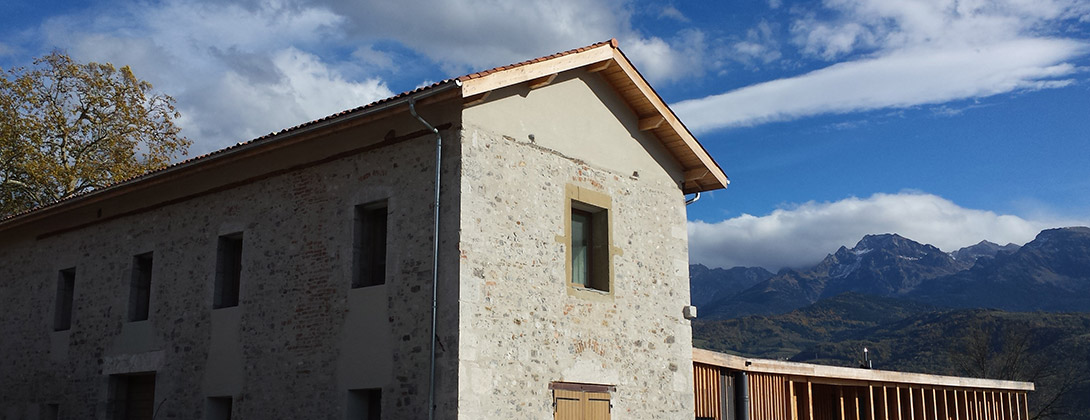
694	199
434	254
742	406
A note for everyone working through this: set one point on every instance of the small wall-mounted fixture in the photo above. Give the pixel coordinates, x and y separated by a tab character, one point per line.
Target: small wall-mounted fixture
689	312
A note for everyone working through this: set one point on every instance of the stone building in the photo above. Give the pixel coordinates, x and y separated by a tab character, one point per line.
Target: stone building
291	276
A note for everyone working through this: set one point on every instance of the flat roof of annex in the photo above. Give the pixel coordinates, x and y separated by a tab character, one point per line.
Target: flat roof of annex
850	376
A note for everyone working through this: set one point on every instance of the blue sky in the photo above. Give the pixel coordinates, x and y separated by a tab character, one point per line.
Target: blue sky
945	121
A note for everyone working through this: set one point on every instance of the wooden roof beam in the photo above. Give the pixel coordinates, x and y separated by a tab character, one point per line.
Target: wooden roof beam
476	99
541	81
651	123
671	119
694	175
597	67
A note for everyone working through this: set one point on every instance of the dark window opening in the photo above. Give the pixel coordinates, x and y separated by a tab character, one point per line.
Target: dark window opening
62	313
51	412
219	408
369	245
589	247
140	288
132	397
228	271
364	404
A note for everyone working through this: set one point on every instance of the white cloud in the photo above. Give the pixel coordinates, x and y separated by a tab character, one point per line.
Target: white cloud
802	235
906	53
237	72
465	35
245	68
759	47
660	61
901	79
671	12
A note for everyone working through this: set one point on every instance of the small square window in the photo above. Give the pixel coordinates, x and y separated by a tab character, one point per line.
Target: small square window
131	396
589	246
218	408
140	287
369	245
228	271
62	312
364	404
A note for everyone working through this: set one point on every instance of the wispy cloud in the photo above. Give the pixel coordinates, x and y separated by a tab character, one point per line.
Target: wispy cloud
242	69
759	46
801	235
671	12
902	54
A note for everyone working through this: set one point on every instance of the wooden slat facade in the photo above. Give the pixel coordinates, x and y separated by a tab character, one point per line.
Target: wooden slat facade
774	396
708	401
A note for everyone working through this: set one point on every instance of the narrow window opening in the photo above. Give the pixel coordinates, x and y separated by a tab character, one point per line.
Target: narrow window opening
140	288
51	412
132	397
589	247
228	271
219	408
364	404
62	314
369	245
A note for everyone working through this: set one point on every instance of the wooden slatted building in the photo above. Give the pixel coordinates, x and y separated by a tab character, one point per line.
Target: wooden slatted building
730	387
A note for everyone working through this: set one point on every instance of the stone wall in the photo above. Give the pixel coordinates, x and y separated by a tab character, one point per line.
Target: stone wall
520	328
300	337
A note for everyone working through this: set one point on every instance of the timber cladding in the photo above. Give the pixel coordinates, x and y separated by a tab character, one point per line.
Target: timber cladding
775	396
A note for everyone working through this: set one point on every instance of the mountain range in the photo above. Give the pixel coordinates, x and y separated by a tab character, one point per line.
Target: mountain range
1050	273
1001	312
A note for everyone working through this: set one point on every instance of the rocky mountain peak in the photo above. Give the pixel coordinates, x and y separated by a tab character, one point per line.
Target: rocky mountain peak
894	244
986	249
1074	233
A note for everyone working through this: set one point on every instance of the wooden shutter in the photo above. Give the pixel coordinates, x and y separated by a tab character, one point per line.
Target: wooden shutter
581	405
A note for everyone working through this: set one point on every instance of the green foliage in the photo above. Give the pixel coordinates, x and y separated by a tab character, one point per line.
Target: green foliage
68	128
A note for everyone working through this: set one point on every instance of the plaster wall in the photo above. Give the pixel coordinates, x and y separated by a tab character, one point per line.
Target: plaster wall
520	327
300	336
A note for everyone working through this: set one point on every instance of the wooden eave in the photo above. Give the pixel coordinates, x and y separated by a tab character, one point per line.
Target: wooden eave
848	376
702	173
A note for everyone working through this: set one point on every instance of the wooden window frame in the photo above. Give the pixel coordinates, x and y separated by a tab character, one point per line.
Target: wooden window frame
370	242
600	283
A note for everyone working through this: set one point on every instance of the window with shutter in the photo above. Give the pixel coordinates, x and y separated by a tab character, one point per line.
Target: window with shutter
573	401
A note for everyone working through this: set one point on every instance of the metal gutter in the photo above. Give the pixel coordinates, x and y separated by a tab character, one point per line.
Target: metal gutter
434	250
